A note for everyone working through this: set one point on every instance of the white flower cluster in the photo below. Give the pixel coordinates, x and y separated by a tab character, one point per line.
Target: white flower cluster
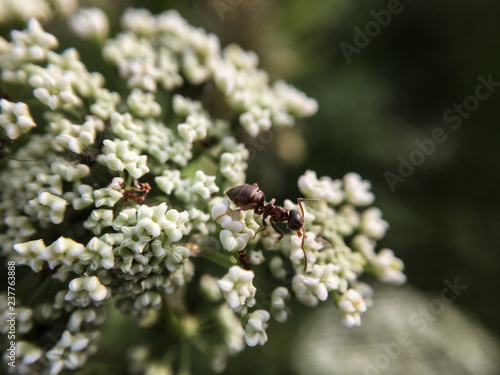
339	245
118	196
15	118
164	50
42	10
342	261
90	24
247	90
238	227
351	304
237	288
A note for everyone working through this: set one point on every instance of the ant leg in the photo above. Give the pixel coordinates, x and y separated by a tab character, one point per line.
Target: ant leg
303	250
227	213
277	230
264	225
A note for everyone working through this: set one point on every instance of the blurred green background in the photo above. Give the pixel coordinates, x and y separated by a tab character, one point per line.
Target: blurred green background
444	218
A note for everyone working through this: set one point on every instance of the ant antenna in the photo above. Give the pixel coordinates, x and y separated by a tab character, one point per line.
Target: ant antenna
3	153
11	158
300	200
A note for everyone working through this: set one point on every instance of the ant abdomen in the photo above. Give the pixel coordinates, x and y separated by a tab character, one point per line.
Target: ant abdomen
247	197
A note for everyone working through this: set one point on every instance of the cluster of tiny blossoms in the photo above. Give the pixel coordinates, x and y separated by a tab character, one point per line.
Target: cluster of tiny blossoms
112	197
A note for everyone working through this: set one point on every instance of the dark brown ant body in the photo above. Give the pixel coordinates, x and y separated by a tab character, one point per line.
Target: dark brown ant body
250	197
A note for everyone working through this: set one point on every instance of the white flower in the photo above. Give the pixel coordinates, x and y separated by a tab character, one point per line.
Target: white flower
32	43
15	118
232	242
364	245
75	137
198	221
71	351
175	226
350	305
256	257
140	21
69	172
169	181
176	256
30	254
62	251
255	330
314	287
347	220
311	247
135	239
372	224
90	23
233	162
294	101
357	191
148	300
117	157
237	288
279	310
204	185
107	197
183	106
256	120
387	267
83	290
187	189
324	188
126	217
195	127
105	103
152	219
236	233
53	87
98	254
86	197
143	104
49	205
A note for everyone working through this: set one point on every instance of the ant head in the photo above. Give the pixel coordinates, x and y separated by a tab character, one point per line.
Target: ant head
295	221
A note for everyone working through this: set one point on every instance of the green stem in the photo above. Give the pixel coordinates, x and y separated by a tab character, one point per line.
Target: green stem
217	258
128	184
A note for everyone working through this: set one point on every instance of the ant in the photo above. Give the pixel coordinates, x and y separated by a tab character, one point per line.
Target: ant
250	197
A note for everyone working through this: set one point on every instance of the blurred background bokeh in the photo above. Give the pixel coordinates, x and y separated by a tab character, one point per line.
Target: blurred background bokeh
375	103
